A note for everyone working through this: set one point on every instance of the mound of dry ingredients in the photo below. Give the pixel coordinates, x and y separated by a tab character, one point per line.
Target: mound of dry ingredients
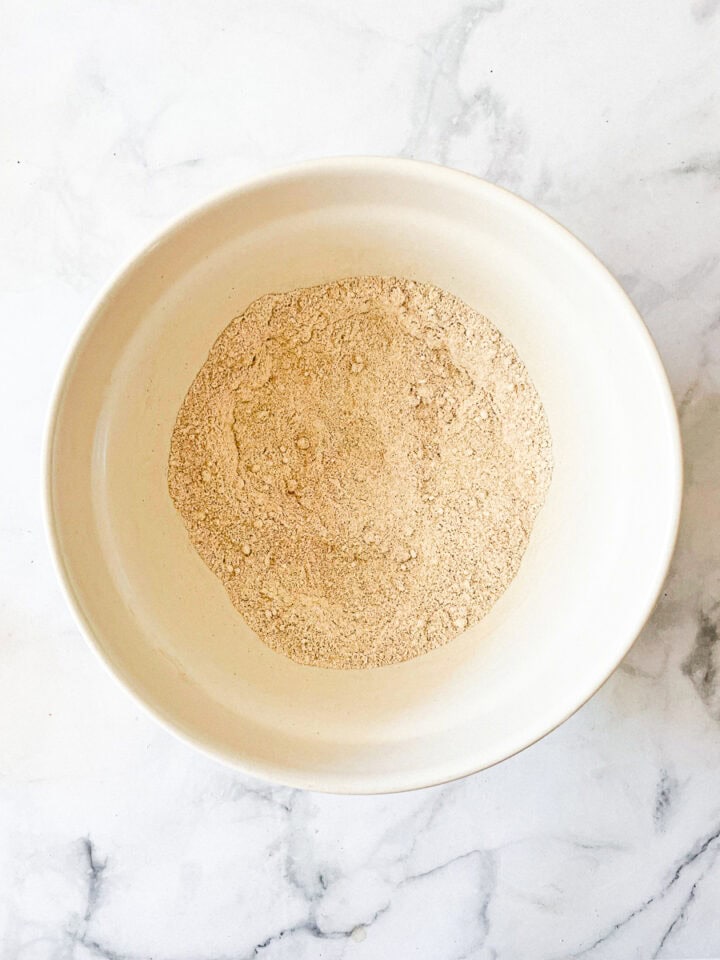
361	464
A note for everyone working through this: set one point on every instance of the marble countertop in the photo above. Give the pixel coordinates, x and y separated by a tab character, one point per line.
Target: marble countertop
117	841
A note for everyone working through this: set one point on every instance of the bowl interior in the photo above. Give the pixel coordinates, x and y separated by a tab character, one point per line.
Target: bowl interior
597	554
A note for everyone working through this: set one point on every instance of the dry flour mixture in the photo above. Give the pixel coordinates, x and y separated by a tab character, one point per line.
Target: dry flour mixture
361	464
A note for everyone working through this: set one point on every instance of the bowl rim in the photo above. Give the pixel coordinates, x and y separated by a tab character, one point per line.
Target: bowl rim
277	773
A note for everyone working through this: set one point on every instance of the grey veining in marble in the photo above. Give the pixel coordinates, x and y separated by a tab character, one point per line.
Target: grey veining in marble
119	843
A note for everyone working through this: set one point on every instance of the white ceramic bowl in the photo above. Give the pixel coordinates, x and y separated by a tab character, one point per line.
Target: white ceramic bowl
597	557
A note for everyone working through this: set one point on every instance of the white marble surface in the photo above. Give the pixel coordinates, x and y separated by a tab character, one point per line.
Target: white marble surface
118	842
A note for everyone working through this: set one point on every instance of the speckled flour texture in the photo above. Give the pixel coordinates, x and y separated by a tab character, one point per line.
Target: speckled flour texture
361	464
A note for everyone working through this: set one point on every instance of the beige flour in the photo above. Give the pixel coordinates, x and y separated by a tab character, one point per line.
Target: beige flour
361	464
